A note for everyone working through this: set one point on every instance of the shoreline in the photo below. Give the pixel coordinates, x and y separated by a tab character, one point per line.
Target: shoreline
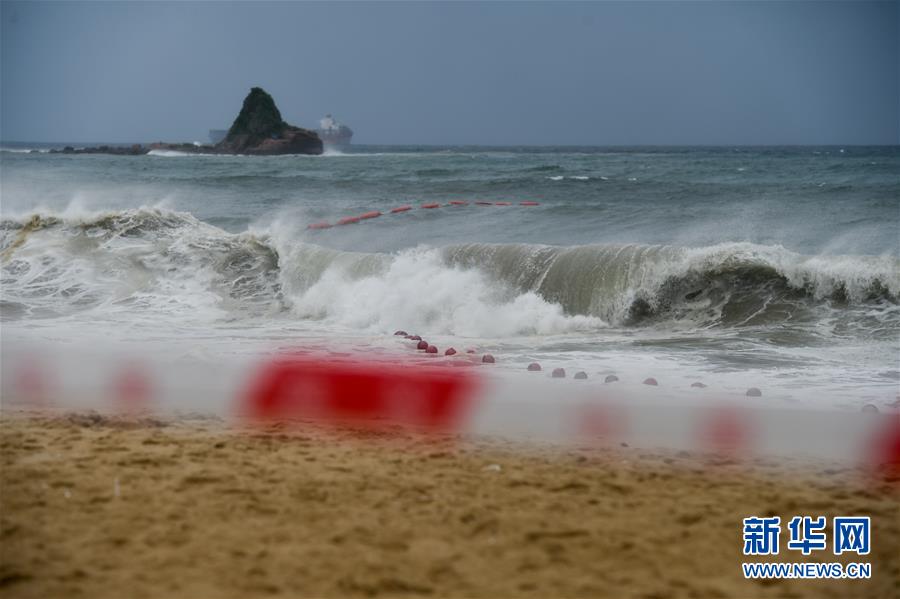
187	507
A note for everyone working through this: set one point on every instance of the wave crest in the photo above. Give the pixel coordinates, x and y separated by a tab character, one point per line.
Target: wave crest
727	283
167	260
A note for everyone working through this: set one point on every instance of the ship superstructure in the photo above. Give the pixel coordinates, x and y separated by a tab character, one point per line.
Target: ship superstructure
333	134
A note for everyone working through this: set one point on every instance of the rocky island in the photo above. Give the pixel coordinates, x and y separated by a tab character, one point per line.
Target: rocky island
257	130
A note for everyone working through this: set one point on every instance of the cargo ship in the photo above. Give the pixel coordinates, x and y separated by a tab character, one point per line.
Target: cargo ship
333	134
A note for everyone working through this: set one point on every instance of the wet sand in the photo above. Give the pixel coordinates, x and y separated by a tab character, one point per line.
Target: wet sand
193	507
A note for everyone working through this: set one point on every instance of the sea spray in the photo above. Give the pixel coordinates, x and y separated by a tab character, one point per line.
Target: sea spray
433	296
164	258
774	268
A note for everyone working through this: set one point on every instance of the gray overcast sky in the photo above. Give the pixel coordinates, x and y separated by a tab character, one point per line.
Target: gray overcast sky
458	73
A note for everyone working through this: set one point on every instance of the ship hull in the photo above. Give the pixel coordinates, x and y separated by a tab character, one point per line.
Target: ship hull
335	141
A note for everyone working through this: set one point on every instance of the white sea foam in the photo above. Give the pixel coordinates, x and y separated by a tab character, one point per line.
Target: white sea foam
169	153
151	262
168	276
417	289
108	259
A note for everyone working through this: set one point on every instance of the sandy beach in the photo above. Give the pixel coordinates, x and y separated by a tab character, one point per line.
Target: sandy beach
97	506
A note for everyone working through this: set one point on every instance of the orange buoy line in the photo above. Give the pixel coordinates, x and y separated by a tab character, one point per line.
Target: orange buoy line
349	220
556	373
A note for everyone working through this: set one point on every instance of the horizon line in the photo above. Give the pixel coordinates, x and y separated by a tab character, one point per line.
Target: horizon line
507	145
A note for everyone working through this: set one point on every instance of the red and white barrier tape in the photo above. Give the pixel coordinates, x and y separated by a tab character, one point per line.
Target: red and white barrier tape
440	397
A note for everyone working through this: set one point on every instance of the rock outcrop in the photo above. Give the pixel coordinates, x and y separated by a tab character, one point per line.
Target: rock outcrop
124	150
257	130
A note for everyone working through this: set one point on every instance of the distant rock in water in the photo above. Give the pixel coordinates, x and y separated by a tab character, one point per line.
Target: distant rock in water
258	117
119	150
258	130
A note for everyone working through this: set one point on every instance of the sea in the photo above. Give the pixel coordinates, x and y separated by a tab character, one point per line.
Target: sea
769	267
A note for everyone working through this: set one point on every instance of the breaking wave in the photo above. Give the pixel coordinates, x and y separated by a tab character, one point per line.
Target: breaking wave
169	153
170	262
730	283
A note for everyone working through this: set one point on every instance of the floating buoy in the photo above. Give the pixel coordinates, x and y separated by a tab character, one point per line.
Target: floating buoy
414	338
580	375
487	359
870	408
450	352
431	349
529	204
698	385
348	220
651	381
402	333
534	367
431	205
484	203
372	214
610	378
422	345
401	209
502	204
754	392
559	373
458	203
319	226
471	350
